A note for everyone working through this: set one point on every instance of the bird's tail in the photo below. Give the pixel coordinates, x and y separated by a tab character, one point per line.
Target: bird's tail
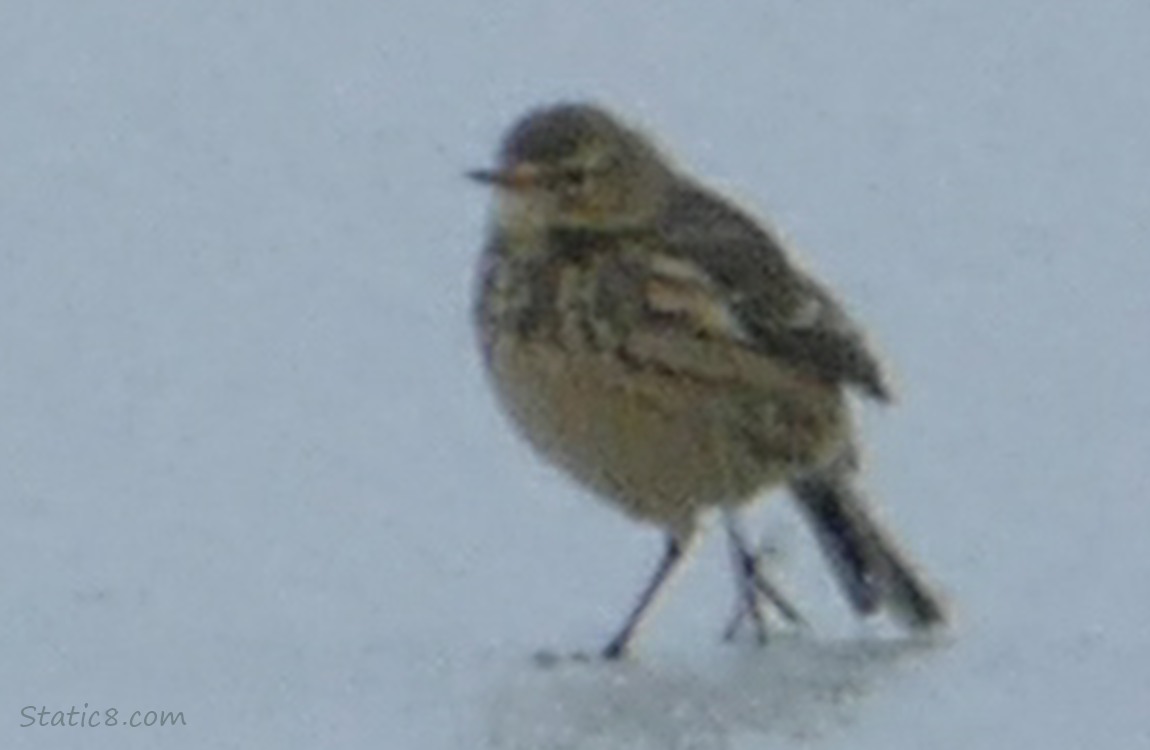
872	571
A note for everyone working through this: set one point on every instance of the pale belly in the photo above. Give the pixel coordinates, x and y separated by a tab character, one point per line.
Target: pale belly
661	447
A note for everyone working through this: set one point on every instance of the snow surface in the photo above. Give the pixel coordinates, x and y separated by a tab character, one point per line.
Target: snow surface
250	471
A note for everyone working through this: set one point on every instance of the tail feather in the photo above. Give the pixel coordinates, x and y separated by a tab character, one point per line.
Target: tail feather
871	569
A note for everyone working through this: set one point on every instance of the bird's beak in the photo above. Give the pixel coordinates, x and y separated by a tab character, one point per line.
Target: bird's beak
517	178
487	176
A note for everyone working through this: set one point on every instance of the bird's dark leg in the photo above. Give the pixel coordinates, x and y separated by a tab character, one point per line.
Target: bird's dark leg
672	556
753	586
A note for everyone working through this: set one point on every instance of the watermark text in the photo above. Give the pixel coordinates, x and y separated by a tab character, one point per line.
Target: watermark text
43	716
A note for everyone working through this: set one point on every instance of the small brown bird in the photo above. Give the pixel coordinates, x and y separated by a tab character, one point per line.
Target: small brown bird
657	344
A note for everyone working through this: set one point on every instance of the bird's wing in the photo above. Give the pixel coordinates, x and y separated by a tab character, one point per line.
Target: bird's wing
725	277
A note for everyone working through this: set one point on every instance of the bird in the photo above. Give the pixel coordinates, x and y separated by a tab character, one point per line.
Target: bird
660	346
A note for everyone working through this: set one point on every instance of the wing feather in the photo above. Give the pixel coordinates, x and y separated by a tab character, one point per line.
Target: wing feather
725	276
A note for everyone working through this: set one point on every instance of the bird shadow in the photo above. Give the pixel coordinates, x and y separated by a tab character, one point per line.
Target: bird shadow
796	689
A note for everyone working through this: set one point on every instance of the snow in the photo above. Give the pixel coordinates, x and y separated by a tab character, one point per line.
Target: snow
250	470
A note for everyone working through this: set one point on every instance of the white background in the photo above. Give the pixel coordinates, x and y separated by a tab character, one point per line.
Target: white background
250	471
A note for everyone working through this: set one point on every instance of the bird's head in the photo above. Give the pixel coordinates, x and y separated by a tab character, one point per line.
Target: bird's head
574	166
